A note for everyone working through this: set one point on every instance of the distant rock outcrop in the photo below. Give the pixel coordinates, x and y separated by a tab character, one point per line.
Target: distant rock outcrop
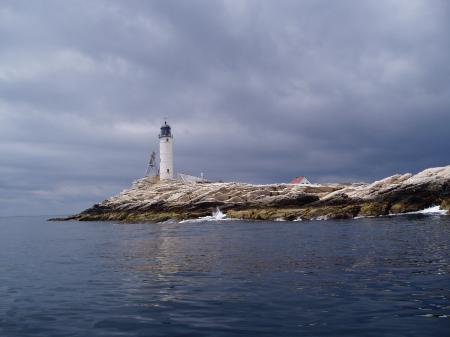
152	200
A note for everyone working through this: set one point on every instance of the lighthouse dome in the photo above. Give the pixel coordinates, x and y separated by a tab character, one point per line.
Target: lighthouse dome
165	131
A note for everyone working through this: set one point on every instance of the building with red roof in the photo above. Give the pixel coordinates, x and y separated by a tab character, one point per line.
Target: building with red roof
300	180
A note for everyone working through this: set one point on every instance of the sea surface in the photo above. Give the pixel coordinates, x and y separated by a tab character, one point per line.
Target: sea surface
365	277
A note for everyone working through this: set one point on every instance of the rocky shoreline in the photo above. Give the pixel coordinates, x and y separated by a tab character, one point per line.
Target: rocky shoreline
152	200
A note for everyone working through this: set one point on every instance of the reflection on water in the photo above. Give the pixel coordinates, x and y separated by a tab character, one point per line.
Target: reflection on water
362	277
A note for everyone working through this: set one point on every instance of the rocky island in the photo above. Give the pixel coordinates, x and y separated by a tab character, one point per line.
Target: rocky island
152	200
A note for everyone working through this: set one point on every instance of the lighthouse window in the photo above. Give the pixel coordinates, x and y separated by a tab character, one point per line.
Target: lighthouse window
167	139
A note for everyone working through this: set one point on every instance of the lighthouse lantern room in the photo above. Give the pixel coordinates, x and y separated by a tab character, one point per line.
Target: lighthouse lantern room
166	152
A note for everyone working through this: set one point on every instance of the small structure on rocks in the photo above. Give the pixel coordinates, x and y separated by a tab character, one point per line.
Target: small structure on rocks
188	179
300	180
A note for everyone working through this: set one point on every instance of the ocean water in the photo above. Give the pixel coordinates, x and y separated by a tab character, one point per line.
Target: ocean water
366	277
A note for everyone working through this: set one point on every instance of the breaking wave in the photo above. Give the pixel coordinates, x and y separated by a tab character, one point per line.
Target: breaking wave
216	215
433	210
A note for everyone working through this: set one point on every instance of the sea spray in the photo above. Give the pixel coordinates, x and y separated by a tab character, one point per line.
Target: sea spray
433	210
217	215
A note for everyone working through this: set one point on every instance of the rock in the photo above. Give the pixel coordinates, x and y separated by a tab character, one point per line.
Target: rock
445	204
152	200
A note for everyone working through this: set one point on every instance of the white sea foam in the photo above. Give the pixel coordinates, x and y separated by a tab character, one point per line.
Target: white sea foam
284	219
433	210
365	216
217	215
321	217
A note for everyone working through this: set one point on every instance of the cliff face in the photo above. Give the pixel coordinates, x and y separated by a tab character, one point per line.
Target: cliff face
151	200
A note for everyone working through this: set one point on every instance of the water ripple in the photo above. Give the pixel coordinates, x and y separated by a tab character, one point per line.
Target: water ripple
366	277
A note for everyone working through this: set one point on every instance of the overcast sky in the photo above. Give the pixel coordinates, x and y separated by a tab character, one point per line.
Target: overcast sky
257	91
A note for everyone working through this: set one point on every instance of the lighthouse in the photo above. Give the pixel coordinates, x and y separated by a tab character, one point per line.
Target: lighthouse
166	152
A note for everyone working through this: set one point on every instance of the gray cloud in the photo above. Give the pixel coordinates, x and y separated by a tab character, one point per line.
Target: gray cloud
256	91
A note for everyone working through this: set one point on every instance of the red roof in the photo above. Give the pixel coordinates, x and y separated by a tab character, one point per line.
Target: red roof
297	180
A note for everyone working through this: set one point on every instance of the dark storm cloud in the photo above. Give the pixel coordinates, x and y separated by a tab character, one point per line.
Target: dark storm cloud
257	91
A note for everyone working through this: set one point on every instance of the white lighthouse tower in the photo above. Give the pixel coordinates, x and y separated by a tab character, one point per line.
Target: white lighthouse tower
166	153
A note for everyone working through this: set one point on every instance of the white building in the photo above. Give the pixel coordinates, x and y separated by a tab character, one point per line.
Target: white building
165	153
